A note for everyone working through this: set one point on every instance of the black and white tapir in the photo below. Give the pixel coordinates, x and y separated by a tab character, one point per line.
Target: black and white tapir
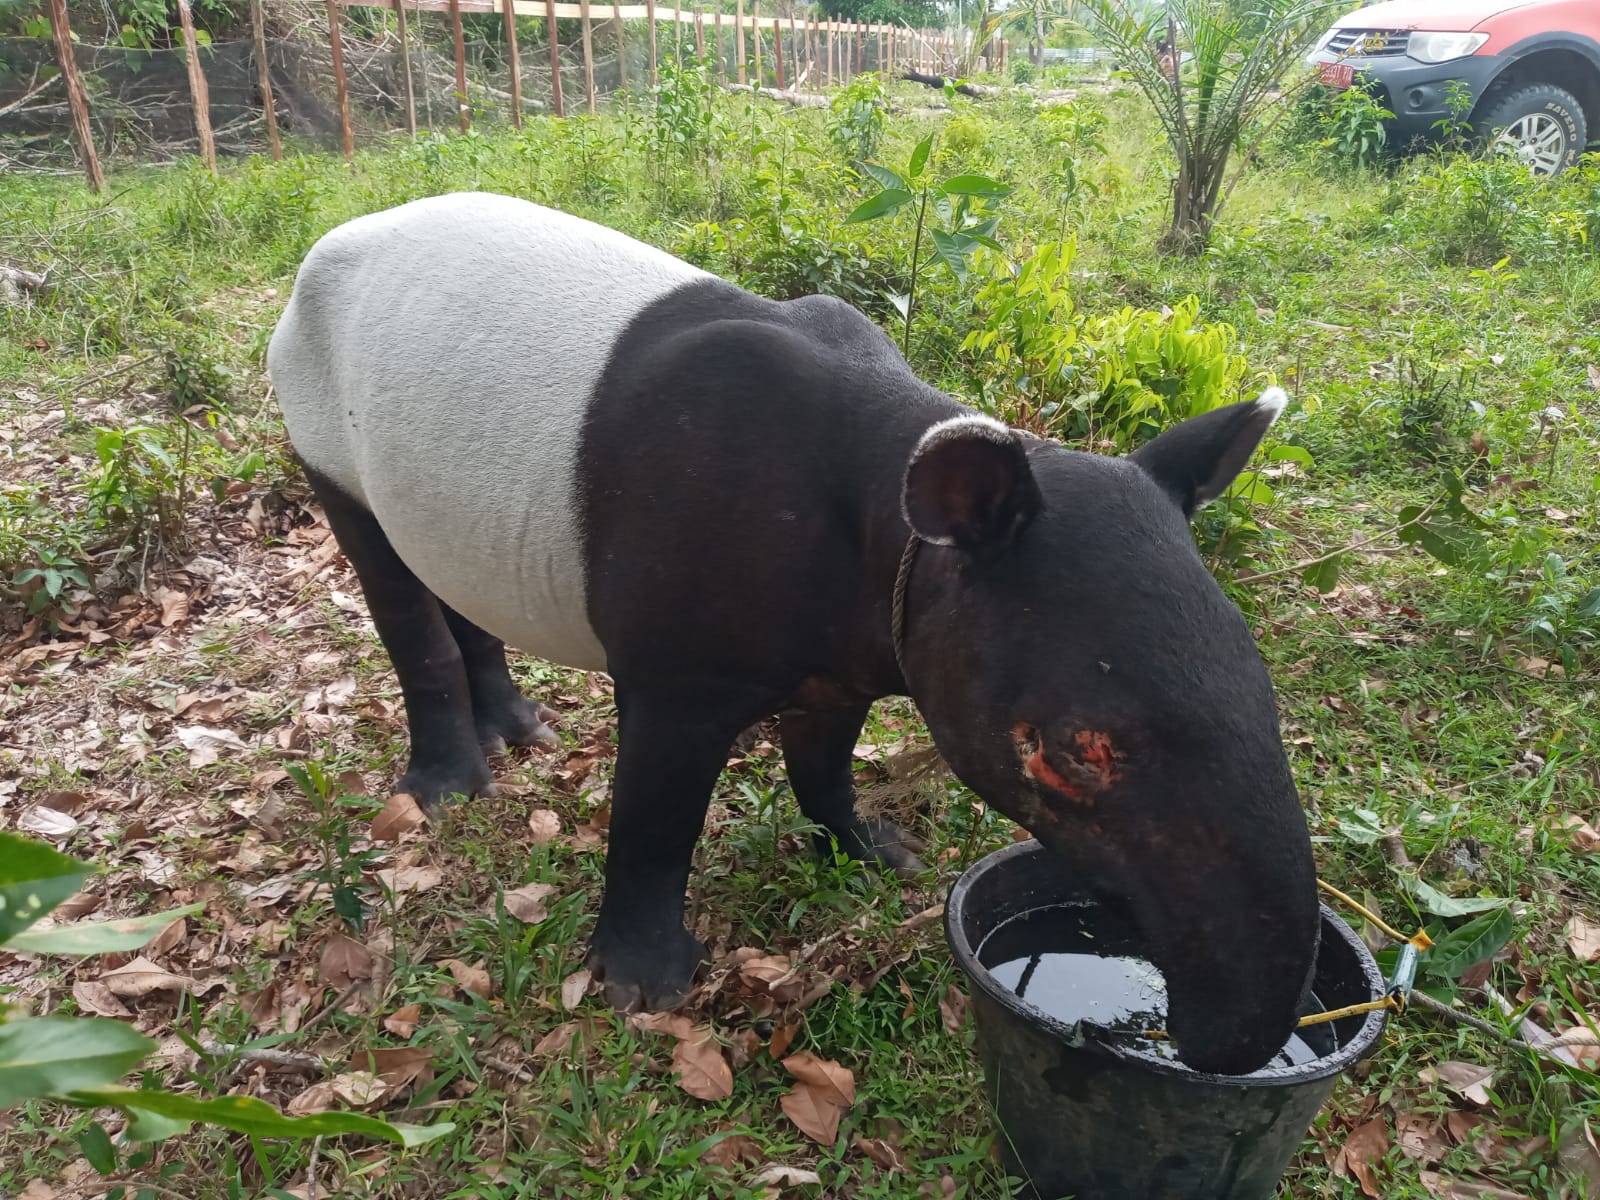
529	429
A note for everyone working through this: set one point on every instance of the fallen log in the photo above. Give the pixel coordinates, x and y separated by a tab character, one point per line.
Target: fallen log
786	96
938	81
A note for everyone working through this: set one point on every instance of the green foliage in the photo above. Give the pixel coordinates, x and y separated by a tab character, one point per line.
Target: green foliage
1356	134
856	116
965	207
76	1060
683	115
337	812
1022	71
1115	379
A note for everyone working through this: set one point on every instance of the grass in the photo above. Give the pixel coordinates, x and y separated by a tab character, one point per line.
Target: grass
1438	316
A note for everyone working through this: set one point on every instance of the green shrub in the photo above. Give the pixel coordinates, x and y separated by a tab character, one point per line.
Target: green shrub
856	116
1116	379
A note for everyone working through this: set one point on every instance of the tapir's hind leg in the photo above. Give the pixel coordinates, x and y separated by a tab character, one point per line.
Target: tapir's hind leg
501	713
446	758
816	751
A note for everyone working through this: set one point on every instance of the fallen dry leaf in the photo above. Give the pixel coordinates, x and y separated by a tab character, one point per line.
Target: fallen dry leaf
1583	938
1421	1138
402	1022
527	905
397	1066
573	989
360	1089
401	814
1467	1080
415	877
557	1041
95	999
787	1177
1582	834
471	978
205	745
544	825
671	1024
319	1097
1365	1145
702	1068
47	822
37	1189
344	961
881	1152
733	1149
783	1036
1579	1152
955	1006
141	977
1444	1188
825	1089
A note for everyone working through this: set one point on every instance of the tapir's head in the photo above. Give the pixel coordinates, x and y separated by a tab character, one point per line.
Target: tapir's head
1081	671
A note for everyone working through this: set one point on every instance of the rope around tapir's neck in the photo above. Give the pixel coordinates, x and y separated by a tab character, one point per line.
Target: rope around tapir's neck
897	610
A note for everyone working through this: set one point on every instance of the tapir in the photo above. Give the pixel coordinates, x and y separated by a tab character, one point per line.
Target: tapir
529	429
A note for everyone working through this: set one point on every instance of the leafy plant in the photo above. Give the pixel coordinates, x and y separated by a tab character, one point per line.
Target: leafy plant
1357	135
1240	55
964	205
78	1060
1116	379
683	117
336	811
857	114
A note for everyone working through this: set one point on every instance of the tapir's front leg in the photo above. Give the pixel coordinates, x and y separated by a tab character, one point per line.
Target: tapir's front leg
816	750
670	751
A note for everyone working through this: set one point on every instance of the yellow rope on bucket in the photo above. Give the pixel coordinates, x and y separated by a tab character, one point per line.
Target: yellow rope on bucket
1420	940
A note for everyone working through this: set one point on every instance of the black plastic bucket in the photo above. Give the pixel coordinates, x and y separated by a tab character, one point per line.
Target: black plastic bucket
1086	1113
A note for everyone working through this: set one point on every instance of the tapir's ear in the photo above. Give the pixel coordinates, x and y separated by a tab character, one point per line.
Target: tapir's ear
968	484
1196	460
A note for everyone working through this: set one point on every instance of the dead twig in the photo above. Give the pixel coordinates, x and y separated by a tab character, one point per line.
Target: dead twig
278	1058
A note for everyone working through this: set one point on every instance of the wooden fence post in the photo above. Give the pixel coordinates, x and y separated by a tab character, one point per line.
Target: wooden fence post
650	20
722	70
738	38
516	65
794	47
700	33
198	92
258	34
777	53
622	47
755	28
405	68
77	98
861	62
588	54
555	56
463	109
677	31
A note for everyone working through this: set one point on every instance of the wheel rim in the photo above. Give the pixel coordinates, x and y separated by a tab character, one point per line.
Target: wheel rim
1537	141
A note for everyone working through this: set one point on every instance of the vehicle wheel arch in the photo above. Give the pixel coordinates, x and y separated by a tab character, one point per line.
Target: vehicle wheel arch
1568	61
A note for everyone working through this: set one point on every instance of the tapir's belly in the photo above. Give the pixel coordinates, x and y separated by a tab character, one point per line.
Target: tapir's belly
437	362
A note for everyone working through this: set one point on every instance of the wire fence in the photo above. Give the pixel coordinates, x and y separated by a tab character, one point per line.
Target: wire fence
351	73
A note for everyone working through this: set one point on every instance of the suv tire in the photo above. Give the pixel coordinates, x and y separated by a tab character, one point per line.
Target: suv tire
1539	123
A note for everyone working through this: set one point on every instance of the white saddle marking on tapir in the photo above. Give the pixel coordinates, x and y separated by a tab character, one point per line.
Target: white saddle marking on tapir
437	361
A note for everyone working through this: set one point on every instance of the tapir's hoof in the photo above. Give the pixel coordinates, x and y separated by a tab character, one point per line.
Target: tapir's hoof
520	724
435	785
648	977
892	848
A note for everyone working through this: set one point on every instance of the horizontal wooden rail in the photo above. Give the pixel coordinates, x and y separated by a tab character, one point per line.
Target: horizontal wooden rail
626	12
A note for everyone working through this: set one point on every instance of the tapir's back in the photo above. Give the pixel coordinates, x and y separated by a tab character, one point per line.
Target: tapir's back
436	362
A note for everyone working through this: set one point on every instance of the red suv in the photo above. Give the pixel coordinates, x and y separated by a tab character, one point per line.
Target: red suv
1531	69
